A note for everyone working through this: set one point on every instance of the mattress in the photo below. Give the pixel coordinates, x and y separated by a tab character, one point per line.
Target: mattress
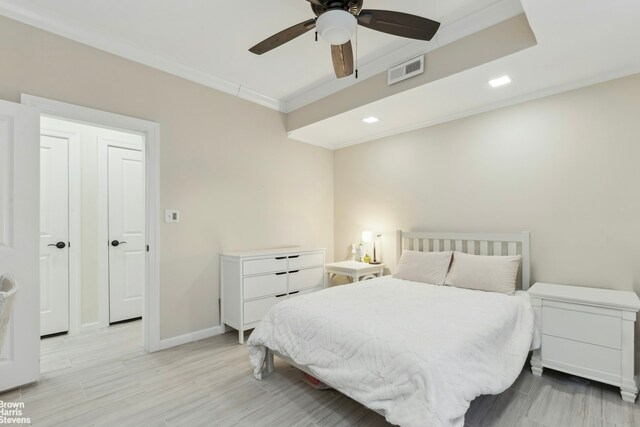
417	353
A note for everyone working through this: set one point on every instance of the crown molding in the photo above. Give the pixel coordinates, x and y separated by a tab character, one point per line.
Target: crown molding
125	50
259	98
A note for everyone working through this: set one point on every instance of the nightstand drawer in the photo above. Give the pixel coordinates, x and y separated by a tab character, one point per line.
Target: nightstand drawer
580	358
264	265
261	286
304	279
305	261
255	310
581	326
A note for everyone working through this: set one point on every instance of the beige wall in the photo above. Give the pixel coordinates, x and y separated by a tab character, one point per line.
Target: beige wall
566	168
226	163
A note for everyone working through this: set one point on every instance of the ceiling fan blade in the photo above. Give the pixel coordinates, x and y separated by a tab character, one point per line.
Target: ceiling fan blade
282	37
398	24
316	2
342	56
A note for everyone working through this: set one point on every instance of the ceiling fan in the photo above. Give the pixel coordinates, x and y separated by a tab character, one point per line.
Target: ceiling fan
336	22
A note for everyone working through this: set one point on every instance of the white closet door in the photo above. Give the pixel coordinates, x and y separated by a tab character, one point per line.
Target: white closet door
54	234
19	189
127	246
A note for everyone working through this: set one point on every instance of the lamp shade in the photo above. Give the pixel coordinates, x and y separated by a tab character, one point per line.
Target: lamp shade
367	236
336	27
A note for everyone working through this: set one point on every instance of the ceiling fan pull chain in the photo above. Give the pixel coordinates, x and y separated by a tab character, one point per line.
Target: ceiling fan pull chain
316	36
356	53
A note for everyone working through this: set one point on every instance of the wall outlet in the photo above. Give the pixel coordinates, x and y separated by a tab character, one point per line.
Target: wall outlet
171	216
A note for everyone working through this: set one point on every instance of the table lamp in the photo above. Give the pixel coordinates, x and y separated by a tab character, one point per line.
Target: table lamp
368	237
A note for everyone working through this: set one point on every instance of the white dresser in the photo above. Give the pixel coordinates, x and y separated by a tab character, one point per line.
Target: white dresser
254	281
587	332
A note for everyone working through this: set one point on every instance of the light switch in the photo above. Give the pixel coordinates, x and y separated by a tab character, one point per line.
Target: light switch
171	216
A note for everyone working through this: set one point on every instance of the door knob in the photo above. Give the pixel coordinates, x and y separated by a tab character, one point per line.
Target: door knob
59	245
116	243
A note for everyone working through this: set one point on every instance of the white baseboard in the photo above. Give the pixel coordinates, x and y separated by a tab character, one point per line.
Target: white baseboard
190	337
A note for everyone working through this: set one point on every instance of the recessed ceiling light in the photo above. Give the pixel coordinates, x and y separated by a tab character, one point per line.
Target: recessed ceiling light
500	81
370	120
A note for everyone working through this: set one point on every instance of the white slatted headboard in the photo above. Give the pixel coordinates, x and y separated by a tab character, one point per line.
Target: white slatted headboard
471	243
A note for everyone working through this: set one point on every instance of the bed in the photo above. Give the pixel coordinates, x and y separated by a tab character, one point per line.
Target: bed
416	353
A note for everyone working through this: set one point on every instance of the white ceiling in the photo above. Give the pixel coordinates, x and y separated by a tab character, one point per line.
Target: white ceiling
580	42
207	41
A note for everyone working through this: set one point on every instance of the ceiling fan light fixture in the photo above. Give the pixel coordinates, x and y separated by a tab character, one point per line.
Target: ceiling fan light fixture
336	27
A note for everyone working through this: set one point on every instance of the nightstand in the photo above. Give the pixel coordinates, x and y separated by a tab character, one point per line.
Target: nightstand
355	270
587	332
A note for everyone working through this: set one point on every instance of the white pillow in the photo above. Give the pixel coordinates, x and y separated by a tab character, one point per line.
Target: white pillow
484	273
427	267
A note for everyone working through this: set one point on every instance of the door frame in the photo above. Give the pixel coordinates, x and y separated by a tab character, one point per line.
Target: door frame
151	130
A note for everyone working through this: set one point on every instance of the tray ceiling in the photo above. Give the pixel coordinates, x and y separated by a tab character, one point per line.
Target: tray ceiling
207	41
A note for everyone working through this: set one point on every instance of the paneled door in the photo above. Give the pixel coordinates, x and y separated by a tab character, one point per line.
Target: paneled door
127	247
19	193
54	234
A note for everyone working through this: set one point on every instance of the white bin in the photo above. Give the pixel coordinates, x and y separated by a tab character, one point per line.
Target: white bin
8	289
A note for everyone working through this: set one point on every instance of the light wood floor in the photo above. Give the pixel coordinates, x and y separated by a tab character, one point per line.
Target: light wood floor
106	379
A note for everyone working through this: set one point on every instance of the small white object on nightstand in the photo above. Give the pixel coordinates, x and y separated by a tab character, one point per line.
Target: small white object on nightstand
587	332
355	270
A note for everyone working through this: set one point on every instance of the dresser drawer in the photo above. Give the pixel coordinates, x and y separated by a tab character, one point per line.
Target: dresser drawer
297	262
581	358
304	279
255	310
261	286
581	326
264	265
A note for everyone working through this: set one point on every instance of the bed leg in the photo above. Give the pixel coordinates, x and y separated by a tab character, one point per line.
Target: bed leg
268	362
536	363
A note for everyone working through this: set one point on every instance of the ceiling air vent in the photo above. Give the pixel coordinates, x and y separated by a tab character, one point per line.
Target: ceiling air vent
406	70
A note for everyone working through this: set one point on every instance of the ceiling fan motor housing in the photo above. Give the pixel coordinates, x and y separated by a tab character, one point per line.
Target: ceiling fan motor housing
352	6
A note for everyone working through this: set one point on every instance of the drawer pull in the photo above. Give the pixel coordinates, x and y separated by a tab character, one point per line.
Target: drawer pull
293	293
293	271
281	257
294	256
281	295
281	273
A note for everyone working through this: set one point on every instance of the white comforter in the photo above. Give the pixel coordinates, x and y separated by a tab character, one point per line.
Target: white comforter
417	353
